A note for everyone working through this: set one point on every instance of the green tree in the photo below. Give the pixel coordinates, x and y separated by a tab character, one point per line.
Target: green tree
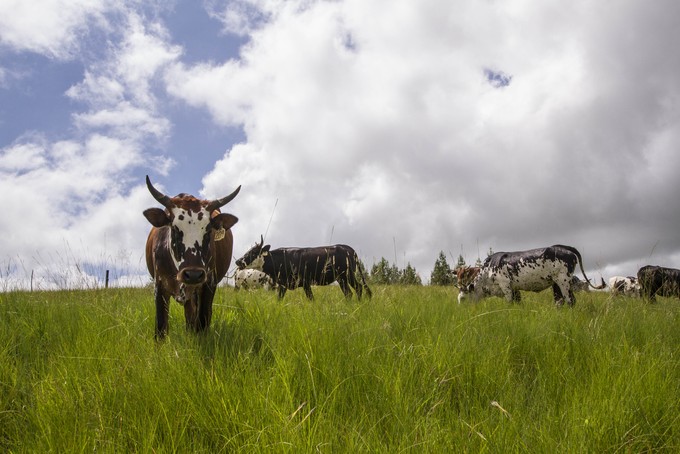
441	273
410	277
384	273
461	261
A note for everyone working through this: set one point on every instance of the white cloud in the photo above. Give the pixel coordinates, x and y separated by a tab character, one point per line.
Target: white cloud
374	124
50	27
378	122
75	204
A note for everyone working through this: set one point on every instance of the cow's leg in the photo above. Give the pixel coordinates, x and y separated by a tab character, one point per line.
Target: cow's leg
308	291
651	296
516	296
344	286
282	291
162	311
191	311
205	304
508	294
354	282
557	295
565	291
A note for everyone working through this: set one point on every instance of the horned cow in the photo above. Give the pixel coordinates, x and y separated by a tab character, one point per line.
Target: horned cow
504	274
658	280
188	252
291	268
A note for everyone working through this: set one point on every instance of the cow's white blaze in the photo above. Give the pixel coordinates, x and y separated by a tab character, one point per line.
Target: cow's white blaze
193	227
257	263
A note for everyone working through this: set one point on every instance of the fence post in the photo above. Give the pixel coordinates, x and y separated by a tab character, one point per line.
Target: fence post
106	283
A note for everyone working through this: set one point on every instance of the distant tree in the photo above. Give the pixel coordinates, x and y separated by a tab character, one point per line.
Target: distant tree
479	260
441	273
461	261
410	277
384	273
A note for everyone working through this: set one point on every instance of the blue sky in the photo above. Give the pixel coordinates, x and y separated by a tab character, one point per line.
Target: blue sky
432	126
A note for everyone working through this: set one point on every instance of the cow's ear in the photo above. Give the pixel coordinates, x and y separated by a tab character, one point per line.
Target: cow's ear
157	217
224	221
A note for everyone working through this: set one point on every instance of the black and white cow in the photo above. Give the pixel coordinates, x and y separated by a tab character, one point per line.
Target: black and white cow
291	268
504	274
622	285
657	280
247	279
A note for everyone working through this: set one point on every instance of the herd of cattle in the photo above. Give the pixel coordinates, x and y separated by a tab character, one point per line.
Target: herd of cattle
189	249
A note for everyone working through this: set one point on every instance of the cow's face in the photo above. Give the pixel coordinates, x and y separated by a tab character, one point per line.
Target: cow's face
475	283
465	277
254	258
193	226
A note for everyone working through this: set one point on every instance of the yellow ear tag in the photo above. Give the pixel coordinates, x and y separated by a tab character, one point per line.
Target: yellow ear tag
219	234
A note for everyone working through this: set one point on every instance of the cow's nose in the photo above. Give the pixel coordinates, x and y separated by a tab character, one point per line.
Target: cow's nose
193	276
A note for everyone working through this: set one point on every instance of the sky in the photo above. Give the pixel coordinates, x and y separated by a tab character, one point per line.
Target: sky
401	128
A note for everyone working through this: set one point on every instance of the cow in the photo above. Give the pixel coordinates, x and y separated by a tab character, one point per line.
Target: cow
627	286
504	274
248	279
578	285
188	252
465	275
657	280
291	268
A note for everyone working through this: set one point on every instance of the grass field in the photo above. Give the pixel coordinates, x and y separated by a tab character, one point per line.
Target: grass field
408	371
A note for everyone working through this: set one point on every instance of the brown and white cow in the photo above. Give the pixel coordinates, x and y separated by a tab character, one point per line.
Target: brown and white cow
465	276
188	252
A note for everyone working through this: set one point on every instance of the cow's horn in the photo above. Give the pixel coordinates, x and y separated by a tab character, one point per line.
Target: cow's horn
215	204
158	195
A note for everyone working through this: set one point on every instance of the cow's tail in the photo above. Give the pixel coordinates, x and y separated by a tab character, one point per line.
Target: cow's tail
580	264
361	275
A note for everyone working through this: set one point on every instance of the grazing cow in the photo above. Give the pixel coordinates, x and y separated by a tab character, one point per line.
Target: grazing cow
578	285
188	252
291	268
506	273
465	276
248	279
627	286
657	280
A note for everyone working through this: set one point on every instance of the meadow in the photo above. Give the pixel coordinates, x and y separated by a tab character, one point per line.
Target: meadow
408	371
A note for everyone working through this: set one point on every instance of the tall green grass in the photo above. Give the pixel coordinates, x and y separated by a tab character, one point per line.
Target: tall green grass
408	371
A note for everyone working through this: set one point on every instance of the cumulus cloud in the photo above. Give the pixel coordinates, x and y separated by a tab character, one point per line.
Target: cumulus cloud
384	123
74	204
420	126
50	27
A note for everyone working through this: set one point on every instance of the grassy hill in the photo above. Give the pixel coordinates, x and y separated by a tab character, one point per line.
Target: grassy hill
408	371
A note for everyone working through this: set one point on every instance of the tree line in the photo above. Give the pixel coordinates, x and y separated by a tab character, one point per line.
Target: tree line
386	273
